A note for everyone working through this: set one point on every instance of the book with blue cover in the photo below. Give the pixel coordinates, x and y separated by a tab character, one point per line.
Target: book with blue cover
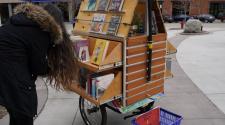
114	25
116	5
91	5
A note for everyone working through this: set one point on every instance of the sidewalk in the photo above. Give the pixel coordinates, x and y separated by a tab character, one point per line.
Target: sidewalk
204	63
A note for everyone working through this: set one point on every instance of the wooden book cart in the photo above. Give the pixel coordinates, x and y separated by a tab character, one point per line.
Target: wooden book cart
128	54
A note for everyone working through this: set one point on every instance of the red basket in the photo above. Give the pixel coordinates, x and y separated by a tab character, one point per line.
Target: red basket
157	116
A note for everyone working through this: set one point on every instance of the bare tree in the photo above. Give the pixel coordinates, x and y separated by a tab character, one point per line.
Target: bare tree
183	5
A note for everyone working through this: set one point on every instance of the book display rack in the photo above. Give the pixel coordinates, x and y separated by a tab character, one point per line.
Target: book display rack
137	62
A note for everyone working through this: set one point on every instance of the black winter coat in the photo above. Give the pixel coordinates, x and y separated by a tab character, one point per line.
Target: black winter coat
24	43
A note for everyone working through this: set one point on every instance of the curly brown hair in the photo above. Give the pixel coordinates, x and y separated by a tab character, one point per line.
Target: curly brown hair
62	63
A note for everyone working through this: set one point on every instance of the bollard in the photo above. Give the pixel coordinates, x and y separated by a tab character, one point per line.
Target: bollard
182	24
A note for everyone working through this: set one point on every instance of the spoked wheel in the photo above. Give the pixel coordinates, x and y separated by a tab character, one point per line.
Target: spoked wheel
92	114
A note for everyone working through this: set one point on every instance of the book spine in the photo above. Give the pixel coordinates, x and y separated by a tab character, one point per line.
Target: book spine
93	93
89	86
97	89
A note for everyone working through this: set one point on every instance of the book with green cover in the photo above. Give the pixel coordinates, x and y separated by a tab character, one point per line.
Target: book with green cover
91	5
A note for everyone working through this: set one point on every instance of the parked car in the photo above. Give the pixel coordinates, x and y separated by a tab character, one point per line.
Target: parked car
206	18
221	16
181	17
168	19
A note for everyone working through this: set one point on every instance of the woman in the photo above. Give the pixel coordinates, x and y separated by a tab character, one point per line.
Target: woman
33	43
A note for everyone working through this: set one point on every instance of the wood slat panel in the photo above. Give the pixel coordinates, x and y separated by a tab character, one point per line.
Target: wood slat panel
136	75
144	67
158	69
158	54
136	84
143	74
145	95
137	91
159	37
157	76
136	68
137	50
159	46
137	59
156	83
158	62
138	40
146	87
143	58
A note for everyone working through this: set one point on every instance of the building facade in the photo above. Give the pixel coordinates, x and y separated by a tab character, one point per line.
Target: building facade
6	8
192	7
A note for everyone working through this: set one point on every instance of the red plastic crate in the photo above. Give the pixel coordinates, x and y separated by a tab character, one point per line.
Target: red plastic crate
157	116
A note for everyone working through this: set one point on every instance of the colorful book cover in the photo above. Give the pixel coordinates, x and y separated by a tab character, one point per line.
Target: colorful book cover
78	44
103	5
97	23
116	5
114	25
104	81
99	52
84	54
91	5
135	106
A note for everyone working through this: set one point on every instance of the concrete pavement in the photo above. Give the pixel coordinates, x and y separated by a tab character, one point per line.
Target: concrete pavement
203	59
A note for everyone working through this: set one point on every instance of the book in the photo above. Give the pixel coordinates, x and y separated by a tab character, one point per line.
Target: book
81	50
100	50
116	5
97	23
91	5
154	24
103	5
103	82
84	54
93	87
133	107
114	25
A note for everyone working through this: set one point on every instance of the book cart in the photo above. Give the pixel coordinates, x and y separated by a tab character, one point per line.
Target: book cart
138	61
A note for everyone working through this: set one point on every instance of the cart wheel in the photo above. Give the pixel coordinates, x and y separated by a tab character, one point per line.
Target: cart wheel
92	114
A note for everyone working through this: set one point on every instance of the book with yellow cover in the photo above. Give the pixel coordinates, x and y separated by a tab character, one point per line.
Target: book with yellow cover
100	51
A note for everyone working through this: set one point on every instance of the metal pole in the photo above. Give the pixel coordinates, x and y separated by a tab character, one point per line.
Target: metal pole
149	64
0	20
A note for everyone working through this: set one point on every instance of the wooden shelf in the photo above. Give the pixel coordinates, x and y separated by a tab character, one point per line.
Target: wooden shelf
112	92
105	12
98	35
95	68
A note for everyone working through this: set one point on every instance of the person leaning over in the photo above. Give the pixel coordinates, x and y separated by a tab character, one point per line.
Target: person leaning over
33	43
